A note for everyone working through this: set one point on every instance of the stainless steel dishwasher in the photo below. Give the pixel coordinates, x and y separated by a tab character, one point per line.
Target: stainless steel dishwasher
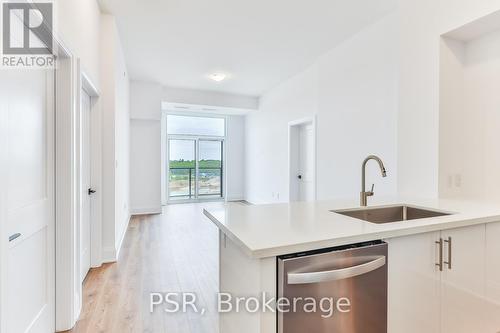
355	274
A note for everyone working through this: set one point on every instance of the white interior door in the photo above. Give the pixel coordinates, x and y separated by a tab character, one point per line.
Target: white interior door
27	262
86	186
306	162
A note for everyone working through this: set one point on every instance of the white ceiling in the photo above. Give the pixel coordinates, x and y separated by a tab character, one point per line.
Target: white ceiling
258	43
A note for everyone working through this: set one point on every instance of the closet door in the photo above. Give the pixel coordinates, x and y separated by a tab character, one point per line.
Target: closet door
27	219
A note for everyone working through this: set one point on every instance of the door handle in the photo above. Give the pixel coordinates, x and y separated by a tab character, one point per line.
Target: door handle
439	264
449	244
337	274
91	191
14	236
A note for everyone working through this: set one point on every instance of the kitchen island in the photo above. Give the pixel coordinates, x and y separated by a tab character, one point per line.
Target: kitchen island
426	293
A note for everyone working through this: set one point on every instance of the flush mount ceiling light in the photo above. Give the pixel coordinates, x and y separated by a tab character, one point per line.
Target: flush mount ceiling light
217	77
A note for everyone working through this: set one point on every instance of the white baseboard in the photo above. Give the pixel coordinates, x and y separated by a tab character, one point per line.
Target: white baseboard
111	254
108	254
124	232
145	210
236	198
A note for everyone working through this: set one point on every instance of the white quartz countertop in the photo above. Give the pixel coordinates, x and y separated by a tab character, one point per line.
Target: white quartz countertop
277	229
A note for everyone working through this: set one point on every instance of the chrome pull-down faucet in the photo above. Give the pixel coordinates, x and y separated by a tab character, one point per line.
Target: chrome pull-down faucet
365	194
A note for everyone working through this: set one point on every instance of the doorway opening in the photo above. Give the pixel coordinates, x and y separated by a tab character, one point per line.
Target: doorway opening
302	159
196	157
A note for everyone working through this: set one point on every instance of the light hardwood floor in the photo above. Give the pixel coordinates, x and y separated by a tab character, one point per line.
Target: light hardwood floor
172	252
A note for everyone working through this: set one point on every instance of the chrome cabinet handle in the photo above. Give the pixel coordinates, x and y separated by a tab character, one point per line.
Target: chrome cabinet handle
439	264
14	236
337	274
449	244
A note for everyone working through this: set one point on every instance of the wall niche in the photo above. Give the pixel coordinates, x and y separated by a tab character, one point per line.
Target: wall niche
469	118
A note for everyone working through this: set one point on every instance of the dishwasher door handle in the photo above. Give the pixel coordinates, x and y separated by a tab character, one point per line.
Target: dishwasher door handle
337	274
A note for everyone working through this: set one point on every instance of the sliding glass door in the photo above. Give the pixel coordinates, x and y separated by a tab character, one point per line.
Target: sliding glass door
182	168
195	168
210	168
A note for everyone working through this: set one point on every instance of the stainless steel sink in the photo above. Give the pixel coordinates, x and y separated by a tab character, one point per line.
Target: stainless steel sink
390	214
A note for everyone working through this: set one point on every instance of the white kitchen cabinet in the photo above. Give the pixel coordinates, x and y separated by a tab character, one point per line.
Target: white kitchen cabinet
414	284
463	284
492	287
422	298
493	261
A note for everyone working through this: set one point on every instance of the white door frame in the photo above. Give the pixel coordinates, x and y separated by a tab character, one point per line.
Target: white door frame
65	188
84	82
95	169
70	79
292	132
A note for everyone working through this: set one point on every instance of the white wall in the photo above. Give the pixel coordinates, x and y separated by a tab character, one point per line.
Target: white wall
470	118
107	103
78	25
145	181
421	24
413	42
122	143
145	147
148	142
451	118
209	98
352	89
235	154
115	139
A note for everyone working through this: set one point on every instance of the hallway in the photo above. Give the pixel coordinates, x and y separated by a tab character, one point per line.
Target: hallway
172	252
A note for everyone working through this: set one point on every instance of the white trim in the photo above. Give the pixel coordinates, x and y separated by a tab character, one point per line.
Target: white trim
66	204
303	121
4	171
70	81
163	159
88	86
239	198
83	82
145	211
111	254
209	109
96	168
188	113
199	200
108	254
291	177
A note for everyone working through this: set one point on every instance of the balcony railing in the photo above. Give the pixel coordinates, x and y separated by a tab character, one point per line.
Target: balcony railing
182	182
